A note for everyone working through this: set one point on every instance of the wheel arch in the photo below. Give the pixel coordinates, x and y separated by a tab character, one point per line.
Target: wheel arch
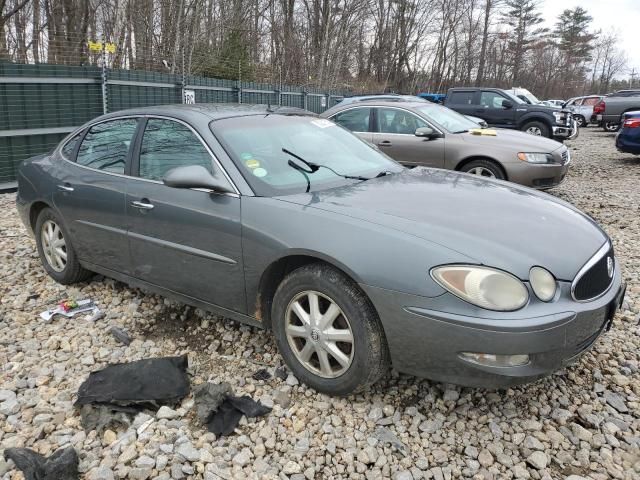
278	269
471	158
535	118
34	210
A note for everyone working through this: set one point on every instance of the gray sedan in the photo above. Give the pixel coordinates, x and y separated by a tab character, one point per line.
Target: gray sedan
286	221
425	134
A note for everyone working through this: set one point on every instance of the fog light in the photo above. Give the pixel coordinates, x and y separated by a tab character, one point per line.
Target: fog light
491	360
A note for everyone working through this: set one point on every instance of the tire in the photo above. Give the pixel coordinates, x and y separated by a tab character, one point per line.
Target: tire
365	356
582	122
483	168
535	126
610	127
67	271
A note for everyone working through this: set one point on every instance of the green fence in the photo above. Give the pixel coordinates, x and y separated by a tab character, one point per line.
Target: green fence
40	104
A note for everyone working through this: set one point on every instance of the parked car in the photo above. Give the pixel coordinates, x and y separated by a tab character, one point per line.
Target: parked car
582	108
418	134
557	103
388	97
286	221
525	95
502	109
628	138
433	97
625	93
610	109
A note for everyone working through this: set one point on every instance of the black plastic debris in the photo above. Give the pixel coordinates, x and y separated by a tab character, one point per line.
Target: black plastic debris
147	383
281	373
62	465
120	335
217	408
225	420
208	397
261	375
101	417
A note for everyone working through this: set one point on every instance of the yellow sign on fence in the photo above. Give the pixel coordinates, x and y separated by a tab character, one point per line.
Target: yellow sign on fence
98	46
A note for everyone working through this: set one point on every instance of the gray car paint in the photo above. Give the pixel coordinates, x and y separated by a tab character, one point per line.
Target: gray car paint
213	250
454	149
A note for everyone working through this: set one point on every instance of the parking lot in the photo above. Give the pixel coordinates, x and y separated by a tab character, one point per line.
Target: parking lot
583	421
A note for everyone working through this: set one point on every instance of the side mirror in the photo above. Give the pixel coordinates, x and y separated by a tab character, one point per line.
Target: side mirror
426	132
507	104
194	176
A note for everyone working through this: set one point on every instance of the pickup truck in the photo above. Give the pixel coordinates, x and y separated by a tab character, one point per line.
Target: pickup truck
501	109
610	110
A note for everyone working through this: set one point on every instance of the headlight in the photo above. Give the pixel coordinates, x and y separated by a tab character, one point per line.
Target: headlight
535	157
483	286
560	117
543	283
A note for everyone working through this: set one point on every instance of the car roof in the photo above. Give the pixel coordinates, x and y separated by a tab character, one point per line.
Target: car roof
379	103
211	111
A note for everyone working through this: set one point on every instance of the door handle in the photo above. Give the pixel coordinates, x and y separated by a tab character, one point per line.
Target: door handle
143	205
385	143
65	188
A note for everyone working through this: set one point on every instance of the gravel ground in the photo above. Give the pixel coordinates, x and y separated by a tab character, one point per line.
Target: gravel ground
581	422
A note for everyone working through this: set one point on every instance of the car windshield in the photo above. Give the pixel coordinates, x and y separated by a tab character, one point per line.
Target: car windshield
255	144
447	118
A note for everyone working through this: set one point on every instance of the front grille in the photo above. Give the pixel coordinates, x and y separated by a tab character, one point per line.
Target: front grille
596	276
565	157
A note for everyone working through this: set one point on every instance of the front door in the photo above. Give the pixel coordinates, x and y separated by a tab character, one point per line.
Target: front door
493	112
186	240
91	193
357	119
395	135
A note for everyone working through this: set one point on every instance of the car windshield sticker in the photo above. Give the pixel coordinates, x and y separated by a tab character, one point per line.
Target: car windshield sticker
252	163
246	156
260	172
322	123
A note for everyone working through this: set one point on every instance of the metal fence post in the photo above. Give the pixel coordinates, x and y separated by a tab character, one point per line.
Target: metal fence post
280	85
184	77
104	79
304	99
239	81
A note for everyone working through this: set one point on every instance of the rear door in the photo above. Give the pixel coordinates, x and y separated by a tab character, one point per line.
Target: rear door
356	119
185	240
463	101
395	135
91	192
491	109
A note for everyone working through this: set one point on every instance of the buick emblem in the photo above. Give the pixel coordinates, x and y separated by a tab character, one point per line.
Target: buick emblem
610	267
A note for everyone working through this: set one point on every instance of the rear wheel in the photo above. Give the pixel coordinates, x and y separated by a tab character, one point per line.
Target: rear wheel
610	126
327	331
537	128
56	252
483	168
580	120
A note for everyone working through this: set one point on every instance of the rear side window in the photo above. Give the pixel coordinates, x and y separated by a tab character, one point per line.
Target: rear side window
69	148
167	144
106	145
355	119
461	98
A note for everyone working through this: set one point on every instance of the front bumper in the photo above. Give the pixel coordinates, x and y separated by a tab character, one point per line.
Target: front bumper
567	133
426	340
539	176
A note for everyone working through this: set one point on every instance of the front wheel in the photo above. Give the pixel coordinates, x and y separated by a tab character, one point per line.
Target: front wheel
580	120
537	128
327	331
483	168
56	252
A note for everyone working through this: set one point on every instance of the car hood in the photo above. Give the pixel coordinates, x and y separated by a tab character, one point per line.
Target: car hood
519	141
494	222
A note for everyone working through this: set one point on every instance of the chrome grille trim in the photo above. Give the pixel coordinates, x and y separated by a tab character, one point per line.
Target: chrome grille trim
604	250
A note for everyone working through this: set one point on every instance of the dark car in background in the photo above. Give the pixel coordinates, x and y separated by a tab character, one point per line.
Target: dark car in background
628	138
610	110
283	220
501	109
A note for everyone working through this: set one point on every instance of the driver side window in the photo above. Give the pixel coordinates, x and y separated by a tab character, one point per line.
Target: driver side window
491	100
166	145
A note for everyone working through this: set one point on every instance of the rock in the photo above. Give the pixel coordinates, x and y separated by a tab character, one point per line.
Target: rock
100	473
367	455
615	401
386	436
208	397
375	414
485	458
291	468
166	413
8	402
242	458
109	437
538	460
282	398
532	443
292	381
403	475
520	472
188	452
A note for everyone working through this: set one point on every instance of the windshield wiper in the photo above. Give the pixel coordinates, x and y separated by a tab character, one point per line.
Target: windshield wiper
464	131
314	167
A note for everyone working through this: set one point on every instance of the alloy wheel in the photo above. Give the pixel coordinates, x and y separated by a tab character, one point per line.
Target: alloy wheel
534	131
319	334
54	245
481	171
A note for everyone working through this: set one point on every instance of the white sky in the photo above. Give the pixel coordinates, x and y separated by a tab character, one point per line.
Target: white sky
622	16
